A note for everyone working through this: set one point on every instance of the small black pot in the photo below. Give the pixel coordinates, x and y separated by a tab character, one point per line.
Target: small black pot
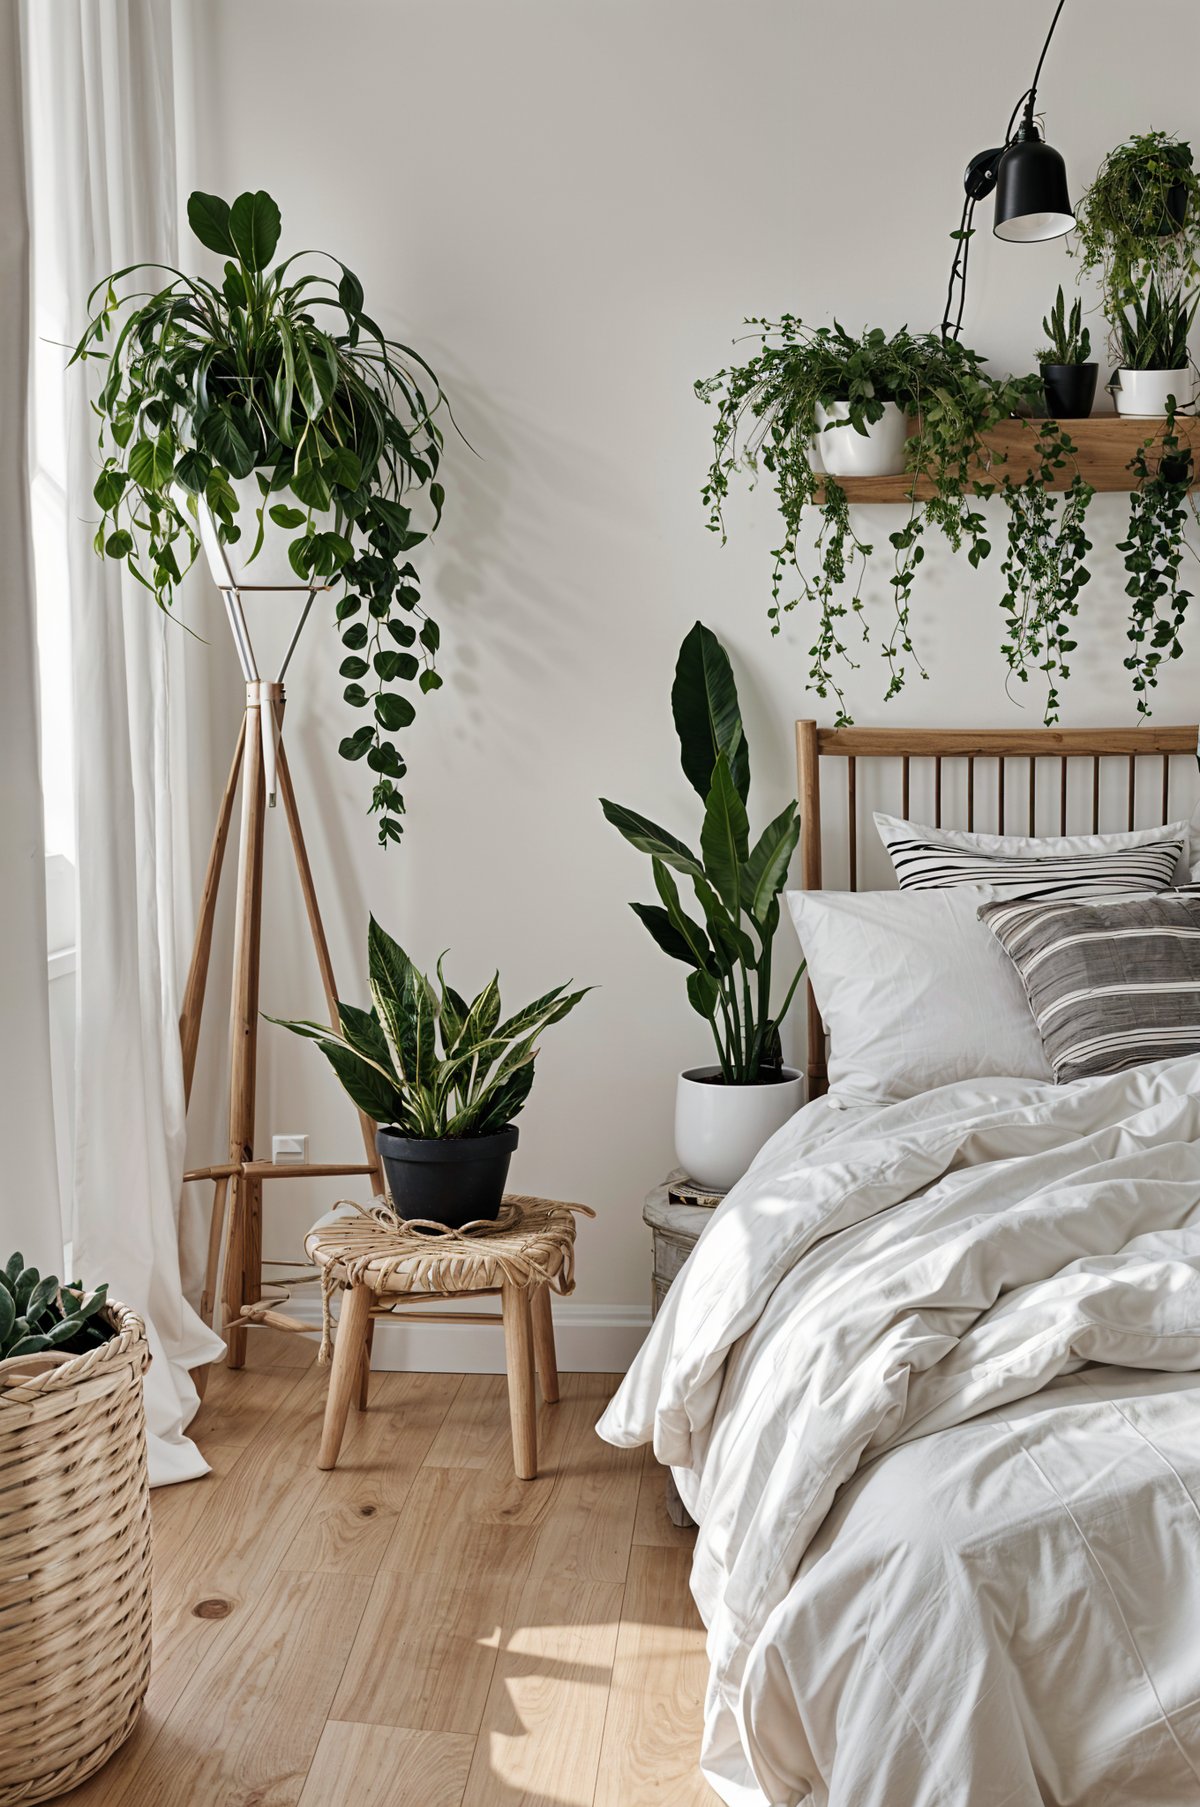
452	1181
1070	390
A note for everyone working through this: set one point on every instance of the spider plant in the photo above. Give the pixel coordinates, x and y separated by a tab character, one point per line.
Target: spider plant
276	372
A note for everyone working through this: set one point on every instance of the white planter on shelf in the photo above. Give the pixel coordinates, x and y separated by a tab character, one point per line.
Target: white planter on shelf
1142	394
848	453
720	1128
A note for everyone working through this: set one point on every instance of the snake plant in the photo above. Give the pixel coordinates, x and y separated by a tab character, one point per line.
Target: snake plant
37	1313
389	1060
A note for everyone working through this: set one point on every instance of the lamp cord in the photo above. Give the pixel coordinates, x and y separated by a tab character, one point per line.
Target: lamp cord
952	327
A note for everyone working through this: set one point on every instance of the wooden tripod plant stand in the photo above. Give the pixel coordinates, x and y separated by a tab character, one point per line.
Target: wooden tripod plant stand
260	761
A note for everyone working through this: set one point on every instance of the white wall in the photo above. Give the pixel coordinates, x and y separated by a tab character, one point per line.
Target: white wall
569	206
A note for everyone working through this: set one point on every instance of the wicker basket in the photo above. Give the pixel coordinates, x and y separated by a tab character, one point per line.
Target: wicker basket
74	1561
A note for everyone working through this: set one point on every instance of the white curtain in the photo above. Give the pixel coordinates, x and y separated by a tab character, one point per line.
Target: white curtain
101	126
29	1192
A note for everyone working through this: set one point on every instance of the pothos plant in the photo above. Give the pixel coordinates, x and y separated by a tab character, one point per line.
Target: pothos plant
1044	567
767	419
276	372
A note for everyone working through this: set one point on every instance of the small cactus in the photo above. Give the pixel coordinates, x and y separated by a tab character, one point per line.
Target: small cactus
38	1313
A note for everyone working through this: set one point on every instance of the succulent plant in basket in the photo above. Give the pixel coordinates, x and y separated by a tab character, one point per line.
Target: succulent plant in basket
37	1313
443	1078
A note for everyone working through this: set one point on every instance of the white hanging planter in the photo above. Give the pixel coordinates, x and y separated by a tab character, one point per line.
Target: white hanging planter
232	564
1143	394
720	1128
848	453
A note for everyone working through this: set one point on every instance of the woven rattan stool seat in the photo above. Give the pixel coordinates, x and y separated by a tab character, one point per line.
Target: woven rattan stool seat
383	1261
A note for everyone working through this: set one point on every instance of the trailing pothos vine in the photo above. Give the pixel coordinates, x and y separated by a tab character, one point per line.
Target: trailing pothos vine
1044	567
767	417
1159	511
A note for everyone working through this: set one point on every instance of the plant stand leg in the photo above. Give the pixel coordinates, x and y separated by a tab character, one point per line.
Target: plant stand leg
364	1375
197	979
244	1284
522	1405
353	1320
543	1344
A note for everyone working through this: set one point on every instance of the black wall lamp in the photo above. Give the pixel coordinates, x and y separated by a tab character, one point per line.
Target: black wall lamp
1029	178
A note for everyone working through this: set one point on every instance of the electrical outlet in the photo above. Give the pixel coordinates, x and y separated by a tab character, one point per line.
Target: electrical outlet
289	1151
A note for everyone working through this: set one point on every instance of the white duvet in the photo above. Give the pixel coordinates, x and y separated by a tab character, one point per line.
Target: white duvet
929	1381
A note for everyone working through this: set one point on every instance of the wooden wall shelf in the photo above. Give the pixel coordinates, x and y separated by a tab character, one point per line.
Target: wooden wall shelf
1105	444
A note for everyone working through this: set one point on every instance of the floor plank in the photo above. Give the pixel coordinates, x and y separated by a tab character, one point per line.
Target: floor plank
386	1766
416	1626
659	1673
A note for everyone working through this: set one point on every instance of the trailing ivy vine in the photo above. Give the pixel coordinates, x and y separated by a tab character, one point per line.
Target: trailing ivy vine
1159	510
1044	567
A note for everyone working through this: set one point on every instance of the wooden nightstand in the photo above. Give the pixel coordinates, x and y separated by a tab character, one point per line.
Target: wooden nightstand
674	1229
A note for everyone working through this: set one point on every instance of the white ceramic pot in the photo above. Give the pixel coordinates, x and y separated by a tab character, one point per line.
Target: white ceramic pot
720	1128
1143	394
271	567
847	453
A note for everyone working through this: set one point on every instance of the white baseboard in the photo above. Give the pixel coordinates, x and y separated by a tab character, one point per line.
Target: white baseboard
590	1339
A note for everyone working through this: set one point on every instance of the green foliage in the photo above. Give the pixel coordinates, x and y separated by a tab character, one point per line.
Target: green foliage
1154	547
36	1313
1140	219
737	886
425	1062
1044	569
767	417
276	372
1152	333
1069	341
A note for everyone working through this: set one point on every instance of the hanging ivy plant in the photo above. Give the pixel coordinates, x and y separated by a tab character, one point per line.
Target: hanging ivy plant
1159	510
278	373
1044	567
1140	219
767	419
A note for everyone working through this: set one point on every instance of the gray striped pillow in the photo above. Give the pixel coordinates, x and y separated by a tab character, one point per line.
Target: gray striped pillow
931	859
1110	984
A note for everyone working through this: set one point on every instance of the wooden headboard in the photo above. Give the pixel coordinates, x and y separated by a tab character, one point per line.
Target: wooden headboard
1019	801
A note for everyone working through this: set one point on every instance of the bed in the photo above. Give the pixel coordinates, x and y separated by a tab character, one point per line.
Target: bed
930	1380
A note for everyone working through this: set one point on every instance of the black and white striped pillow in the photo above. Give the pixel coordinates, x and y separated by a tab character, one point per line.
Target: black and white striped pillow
1110	984
929	859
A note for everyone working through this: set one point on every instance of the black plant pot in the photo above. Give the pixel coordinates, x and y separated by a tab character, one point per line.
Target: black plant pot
1070	390
452	1181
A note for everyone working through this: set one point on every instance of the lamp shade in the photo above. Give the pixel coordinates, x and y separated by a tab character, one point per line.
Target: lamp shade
1032	202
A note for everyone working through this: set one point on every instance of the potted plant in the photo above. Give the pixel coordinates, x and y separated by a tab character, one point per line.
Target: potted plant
724	1113
1152	336
1067	376
74	1531
269	407
442	1078
1140	218
807	389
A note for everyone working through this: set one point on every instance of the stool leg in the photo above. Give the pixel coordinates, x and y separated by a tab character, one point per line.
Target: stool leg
347	1367
518	1352
364	1377
543	1344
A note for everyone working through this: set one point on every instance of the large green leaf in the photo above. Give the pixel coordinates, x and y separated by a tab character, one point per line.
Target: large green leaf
765	871
725	835
708	720
731	943
208	217
363	1030
254	229
704	994
664	932
643	834
222	438
688	931
152	462
372	1090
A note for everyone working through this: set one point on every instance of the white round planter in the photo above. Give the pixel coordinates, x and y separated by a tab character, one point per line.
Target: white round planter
847	453
233	563
1142	394
720	1128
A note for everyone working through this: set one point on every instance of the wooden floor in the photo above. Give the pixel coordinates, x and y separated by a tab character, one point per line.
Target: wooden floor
416	1628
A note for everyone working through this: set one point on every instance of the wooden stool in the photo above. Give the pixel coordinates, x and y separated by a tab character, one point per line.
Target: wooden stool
383	1262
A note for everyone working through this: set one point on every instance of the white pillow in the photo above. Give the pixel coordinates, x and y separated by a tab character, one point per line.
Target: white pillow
1136	861
914	990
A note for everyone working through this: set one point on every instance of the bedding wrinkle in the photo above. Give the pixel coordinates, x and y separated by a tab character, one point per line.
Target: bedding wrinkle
937	1565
